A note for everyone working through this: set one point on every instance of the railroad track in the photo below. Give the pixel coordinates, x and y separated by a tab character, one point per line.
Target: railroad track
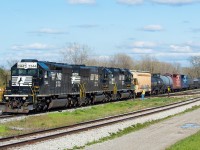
6	116
182	93
30	138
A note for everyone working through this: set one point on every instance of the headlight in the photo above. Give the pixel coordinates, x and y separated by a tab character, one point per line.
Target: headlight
24	98
7	98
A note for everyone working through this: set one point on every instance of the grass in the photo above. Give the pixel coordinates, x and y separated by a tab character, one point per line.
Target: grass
51	120
2	128
189	143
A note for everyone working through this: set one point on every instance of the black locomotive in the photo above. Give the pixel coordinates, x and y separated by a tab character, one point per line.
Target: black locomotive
40	85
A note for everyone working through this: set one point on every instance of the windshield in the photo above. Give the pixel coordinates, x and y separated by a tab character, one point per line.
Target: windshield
29	72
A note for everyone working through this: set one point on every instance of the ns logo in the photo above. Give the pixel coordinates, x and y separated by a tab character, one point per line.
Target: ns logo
184	79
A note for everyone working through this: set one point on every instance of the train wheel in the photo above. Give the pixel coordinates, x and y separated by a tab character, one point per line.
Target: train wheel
67	103
118	97
79	102
107	98
75	104
89	101
45	107
134	95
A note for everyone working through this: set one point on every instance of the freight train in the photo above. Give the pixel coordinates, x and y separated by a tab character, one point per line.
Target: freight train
176	82
39	85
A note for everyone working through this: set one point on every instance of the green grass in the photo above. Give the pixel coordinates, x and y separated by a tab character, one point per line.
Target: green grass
51	120
190	143
2	128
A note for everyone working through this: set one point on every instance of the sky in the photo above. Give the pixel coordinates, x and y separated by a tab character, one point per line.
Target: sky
168	30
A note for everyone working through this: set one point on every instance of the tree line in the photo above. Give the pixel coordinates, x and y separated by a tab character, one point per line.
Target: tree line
75	53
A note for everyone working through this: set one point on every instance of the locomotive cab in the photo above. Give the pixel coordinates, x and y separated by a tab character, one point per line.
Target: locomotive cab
26	77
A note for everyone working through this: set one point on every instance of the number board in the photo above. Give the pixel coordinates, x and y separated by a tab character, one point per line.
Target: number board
27	65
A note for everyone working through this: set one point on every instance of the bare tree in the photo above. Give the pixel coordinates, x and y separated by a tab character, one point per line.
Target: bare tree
195	62
148	63
75	53
189	71
176	68
3	76
98	61
121	60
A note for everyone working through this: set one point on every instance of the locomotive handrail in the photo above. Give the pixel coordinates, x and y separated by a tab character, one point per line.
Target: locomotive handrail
82	90
115	89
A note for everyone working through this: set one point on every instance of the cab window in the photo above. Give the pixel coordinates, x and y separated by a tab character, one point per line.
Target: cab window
14	72
22	72
32	72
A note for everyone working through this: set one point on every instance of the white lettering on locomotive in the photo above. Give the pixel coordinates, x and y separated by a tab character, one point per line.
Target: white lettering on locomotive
75	79
27	65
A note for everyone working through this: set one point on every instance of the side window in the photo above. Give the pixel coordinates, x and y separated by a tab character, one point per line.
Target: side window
40	73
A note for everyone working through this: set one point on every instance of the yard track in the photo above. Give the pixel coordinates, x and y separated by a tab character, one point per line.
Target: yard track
7	116
180	93
30	138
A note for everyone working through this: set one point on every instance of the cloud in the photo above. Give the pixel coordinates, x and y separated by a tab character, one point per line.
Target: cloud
181	49
130	2
192	43
142	47
87	26
143	44
152	28
187	47
142	50
163	2
186	21
175	2
164	52
195	30
34	46
81	2
50	31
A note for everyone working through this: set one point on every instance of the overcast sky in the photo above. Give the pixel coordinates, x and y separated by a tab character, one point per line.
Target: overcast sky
166	29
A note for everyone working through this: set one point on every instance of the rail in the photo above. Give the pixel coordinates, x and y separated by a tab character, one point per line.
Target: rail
31	138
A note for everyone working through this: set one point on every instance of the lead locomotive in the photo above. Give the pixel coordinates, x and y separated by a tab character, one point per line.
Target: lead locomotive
39	85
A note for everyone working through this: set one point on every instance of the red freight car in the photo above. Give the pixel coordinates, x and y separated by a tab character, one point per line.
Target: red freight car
176	81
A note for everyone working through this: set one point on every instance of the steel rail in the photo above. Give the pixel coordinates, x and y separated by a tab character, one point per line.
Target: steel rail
6	116
30	141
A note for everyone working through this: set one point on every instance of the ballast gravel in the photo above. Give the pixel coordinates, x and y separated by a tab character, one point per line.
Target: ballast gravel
80	139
